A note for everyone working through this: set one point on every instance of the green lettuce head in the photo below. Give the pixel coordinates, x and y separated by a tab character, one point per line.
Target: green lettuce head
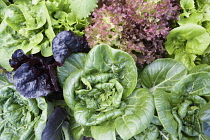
102	95
21	118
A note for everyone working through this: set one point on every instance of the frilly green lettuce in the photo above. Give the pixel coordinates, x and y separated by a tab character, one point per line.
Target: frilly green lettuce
32	25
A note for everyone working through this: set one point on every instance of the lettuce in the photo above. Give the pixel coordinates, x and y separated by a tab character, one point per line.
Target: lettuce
186	42
189	43
21	118
32	25
103	97
181	99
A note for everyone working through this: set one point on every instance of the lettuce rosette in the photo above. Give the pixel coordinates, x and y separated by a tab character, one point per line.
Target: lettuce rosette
21	118
102	94
180	97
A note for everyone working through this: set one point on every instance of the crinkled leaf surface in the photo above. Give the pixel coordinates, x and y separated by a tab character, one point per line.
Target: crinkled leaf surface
162	73
104	59
66	43
32	25
72	63
21	118
2	10
83	8
139	113
193	38
99	92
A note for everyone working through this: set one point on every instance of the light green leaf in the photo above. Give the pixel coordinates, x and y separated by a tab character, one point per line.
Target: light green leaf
200	68
105	131
72	63
21	118
195	17
83	8
191	37
139	113
14	17
151	133
187	59
104	59
187	4
162	73
164	111
194	84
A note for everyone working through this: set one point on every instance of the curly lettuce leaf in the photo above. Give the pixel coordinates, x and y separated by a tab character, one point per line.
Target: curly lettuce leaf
186	42
2	10
193	38
104	59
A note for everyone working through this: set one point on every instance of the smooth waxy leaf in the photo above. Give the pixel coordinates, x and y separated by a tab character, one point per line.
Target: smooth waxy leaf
194	84
162	73
200	68
72	63
53	129
163	107
106	131
139	113
151	133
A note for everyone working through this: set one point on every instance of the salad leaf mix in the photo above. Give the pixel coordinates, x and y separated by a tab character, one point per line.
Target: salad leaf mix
94	70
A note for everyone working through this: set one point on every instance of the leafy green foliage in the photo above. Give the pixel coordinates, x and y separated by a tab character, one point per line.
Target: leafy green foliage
189	43
83	8
164	73
72	63
180	98
32	25
21	118
102	95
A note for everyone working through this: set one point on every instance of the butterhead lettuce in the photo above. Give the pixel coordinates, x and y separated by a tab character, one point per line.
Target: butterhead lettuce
103	97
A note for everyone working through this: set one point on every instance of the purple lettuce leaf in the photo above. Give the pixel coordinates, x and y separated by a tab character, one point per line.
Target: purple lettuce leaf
34	75
66	43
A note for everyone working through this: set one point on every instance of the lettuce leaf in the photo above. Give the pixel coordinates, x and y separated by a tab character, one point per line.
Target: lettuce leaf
83	8
21	118
32	25
102	97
